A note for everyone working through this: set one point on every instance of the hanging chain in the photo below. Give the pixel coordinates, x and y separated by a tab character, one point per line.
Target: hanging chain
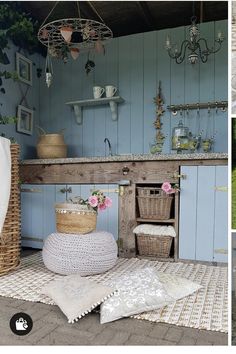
78	8
57	2
93	8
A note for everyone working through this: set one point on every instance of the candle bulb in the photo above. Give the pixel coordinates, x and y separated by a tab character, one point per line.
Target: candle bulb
168	45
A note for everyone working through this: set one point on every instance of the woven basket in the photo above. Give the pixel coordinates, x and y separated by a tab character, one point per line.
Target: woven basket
157	246
10	237
75	218
154	203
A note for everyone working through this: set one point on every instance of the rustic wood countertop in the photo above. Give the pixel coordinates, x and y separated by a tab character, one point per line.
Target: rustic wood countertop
128	158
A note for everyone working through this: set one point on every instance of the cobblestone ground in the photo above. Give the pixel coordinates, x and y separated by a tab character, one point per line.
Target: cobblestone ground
50	327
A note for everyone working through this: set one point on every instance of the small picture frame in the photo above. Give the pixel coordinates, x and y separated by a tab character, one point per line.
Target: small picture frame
24	120
24	69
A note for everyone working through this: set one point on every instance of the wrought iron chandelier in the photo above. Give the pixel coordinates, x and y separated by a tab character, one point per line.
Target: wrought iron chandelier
198	47
71	36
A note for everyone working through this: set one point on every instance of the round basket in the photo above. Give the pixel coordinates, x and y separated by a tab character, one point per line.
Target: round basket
10	236
51	146
75	218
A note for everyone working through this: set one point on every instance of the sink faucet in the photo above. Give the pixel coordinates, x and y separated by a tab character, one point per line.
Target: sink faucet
106	140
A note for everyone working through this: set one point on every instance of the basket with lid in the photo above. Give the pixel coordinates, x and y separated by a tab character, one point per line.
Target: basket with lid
154	203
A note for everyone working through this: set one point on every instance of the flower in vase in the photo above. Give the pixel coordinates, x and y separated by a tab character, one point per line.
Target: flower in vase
166	187
108	202
93	201
102	207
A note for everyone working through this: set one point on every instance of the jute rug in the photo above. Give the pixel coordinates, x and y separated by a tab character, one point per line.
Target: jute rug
204	309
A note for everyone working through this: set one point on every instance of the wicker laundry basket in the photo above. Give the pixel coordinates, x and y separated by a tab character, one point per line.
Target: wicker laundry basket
156	246
10	237
154	203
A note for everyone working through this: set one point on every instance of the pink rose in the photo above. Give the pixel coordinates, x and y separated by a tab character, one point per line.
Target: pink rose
171	191
93	201
101	207
166	187
108	202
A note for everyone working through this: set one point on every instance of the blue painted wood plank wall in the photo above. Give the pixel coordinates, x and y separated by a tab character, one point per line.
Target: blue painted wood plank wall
135	64
13	98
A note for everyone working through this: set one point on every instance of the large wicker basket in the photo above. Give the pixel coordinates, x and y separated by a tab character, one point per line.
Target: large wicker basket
75	218
10	237
154	203
156	246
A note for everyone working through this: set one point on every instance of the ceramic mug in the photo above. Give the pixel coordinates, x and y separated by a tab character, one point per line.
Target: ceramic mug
110	90
98	91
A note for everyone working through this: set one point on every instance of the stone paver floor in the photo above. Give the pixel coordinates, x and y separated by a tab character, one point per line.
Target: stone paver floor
50	327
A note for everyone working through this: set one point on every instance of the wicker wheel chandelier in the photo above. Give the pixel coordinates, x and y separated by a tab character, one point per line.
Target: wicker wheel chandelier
71	36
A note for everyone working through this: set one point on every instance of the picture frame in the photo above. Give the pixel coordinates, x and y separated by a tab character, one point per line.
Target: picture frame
24	69
24	120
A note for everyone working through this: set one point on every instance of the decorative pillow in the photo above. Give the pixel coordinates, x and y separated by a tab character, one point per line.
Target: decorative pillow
77	296
138	291
144	290
154	230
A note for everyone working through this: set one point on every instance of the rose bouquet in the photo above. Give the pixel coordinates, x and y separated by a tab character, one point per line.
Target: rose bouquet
97	201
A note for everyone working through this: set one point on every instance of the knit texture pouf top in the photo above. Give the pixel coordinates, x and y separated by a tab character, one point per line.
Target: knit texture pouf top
88	254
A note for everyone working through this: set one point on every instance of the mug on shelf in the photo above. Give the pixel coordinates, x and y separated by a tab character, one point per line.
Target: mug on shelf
110	90
98	91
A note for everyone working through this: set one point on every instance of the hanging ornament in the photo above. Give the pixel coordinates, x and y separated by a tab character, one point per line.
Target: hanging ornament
66	33
99	47
48	70
74	53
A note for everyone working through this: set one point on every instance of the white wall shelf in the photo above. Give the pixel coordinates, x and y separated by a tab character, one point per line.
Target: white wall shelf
112	101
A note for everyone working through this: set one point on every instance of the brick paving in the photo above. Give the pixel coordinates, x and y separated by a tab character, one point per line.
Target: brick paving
50	327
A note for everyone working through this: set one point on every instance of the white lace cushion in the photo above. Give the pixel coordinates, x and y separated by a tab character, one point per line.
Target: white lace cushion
138	291
88	254
76	296
144	290
154	230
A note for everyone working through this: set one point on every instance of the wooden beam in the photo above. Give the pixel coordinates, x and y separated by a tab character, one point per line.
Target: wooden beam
146	14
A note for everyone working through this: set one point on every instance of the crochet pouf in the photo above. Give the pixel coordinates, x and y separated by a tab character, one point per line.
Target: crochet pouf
87	254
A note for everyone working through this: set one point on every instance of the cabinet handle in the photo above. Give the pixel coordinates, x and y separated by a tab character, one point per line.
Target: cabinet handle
221	188
64	190
30	190
125	170
176	175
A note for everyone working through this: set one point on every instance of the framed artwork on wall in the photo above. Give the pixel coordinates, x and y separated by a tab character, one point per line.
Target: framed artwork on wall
24	120
24	69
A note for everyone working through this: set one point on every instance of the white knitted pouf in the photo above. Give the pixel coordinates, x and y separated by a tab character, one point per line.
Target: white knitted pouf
88	254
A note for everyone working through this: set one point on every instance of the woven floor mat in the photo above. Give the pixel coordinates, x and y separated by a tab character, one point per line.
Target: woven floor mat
205	309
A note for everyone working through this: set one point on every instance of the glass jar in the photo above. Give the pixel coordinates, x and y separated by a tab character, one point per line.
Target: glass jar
180	137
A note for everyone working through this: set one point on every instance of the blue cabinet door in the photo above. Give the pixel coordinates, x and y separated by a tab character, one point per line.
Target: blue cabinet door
203	233
37	212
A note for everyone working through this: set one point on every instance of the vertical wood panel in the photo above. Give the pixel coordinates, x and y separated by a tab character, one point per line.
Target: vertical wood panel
124	120
49	221
205	213
136	94
221	89
112	73
163	74
149	87
188	216
221	215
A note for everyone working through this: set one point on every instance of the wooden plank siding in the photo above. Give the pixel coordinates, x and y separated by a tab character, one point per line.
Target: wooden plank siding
135	64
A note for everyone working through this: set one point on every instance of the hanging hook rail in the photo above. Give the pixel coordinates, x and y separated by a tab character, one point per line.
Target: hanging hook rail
190	106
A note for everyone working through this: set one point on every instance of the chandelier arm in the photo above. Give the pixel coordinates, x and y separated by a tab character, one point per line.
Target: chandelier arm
93	8
210	51
57	2
181	58
203	56
174	55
